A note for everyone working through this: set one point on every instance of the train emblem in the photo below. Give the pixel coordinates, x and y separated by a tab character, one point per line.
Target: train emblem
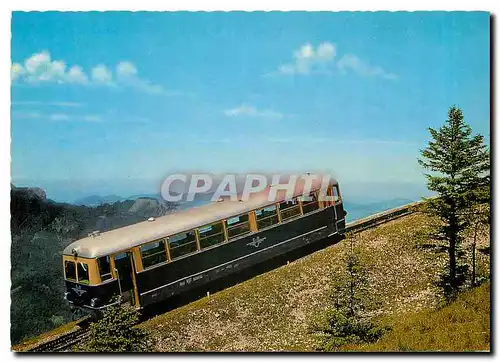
256	241
78	290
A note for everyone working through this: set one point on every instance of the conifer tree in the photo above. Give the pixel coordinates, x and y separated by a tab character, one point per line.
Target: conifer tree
459	165
347	320
116	332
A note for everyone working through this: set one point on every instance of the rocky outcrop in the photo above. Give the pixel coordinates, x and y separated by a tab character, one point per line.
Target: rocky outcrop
30	192
146	206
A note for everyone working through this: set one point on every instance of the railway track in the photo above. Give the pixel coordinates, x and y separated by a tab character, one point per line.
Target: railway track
62	342
65	341
381	217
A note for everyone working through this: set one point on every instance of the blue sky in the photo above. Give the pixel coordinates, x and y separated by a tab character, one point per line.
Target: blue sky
113	102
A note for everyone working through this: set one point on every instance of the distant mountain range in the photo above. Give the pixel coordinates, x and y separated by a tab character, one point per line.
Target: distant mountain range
355	211
96	200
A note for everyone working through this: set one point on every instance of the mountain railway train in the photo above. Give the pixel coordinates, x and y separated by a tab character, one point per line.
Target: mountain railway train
151	261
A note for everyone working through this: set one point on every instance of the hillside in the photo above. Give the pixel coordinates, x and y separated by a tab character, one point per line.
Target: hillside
41	229
464	325
272	312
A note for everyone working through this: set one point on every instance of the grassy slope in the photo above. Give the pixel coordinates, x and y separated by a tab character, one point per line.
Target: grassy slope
464	325
272	311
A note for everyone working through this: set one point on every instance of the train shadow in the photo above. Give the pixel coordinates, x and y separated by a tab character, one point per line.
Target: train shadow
236	278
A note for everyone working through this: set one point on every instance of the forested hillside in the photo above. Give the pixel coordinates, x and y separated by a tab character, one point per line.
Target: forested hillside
40	230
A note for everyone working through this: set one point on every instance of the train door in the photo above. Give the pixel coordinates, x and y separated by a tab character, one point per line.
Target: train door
340	213
124	270
330	194
336	218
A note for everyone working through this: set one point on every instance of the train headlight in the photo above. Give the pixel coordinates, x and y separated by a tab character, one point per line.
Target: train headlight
93	302
66	295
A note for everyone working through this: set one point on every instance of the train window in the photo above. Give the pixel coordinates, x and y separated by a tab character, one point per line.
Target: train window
289	209
237	226
310	203
153	253
336	195
121	256
70	270
104	268
266	216
182	243
211	234
329	199
83	273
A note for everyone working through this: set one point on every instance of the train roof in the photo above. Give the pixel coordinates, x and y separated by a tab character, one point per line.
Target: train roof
127	237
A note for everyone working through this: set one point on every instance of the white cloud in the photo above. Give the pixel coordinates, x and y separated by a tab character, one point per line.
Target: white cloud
295	139
326	51
148	87
91	118
127	73
76	75
40	103
308	59
201	139
37	62
321	59
377	141
26	115
126	69
16	70
353	63
305	52
58	117
40	67
279	140
58	69
250	111
101	75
